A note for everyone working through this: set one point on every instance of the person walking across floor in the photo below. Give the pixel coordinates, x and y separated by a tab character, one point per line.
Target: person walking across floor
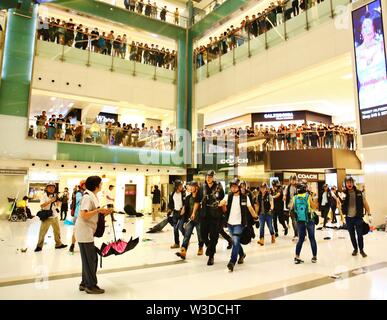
192	216
85	227
265	206
77	205
175	207
353	207
278	211
325	203
156	202
50	202
211	193
237	208
303	206
64	199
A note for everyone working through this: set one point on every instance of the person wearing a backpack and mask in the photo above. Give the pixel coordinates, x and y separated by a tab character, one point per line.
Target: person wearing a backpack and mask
175	207
353	207
265	206
303	206
238	208
85	227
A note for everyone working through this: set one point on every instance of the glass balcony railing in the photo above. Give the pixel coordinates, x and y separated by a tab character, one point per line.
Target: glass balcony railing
128	64
104	134
153	11
241	43
199	14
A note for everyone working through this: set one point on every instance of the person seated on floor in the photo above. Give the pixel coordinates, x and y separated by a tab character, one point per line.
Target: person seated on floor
23	204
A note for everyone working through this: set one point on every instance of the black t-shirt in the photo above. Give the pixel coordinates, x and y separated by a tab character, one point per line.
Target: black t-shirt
156	199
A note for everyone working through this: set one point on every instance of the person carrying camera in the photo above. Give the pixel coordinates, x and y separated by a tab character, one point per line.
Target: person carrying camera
49	202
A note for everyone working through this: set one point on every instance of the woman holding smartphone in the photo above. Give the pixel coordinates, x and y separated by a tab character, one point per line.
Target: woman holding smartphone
85	228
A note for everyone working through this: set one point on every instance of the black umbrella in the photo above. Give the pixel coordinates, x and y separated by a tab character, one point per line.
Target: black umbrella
160	226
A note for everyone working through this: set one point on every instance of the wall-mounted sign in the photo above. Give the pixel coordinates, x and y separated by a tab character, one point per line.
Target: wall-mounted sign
104	117
13	172
231	161
278	116
308	176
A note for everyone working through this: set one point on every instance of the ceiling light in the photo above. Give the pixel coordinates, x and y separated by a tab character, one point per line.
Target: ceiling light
53	98
71	105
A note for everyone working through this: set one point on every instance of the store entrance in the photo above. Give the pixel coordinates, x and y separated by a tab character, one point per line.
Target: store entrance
130	195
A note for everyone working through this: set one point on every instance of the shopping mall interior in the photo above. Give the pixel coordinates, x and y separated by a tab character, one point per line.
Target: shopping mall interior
263	100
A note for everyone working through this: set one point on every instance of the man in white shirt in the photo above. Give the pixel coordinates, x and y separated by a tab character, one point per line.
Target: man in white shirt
49	202
237	206
175	206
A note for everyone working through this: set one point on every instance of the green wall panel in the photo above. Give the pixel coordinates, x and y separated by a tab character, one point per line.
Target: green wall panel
17	63
117	155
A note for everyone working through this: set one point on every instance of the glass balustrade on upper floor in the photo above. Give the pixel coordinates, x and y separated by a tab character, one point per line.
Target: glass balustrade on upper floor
162	11
131	60
269	30
200	13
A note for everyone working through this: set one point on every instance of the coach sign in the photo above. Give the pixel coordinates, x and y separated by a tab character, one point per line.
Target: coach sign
308	176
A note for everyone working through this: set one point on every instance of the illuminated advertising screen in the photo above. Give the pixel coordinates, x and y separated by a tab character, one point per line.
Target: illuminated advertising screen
371	67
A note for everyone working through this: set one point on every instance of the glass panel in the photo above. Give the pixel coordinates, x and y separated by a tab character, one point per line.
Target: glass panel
49	50
199	14
74	55
100	61
296	25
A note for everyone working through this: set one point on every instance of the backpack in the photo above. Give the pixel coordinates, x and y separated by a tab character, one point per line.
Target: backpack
301	208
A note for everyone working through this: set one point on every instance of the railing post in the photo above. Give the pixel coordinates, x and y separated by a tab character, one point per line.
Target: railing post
332	11
306	14
112	66
207	71
284	22
220	56
134	68
248	41
88	57
62	58
233	55
154	74
266	44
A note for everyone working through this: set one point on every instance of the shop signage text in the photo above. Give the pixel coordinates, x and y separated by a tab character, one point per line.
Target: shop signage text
279	116
307	176
232	161
8	172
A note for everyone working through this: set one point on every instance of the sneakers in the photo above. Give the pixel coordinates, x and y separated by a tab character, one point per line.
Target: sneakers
261	241
72	248
61	246
182	254
276	234
175	246
273	238
363	254
210	261
94	290
200	251
82	287
230	266
298	261
241	259
314	259
295	239
38	249
354	252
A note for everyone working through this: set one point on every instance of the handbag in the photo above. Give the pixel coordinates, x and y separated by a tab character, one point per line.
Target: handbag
365	228
45	214
246	236
315	218
100	226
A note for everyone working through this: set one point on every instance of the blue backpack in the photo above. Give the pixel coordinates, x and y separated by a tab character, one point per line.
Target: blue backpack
301	208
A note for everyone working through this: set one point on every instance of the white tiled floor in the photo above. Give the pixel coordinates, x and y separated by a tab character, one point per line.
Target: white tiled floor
266	268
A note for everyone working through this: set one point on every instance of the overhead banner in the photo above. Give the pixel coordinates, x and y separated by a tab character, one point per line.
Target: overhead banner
371	66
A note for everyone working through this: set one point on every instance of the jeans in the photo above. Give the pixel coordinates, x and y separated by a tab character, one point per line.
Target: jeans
354	226
265	217
188	232
178	224
302	228
324	213
236	231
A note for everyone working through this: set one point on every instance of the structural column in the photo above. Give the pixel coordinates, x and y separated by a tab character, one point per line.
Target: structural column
18	59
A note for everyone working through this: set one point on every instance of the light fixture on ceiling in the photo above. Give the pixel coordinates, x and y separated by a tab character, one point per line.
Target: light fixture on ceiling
51	110
53	98
71	105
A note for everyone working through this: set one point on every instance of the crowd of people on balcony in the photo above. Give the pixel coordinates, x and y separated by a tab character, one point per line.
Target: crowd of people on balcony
250	28
290	137
107	43
109	133
151	10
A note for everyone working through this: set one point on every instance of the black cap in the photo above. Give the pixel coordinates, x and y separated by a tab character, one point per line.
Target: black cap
301	188
210	173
